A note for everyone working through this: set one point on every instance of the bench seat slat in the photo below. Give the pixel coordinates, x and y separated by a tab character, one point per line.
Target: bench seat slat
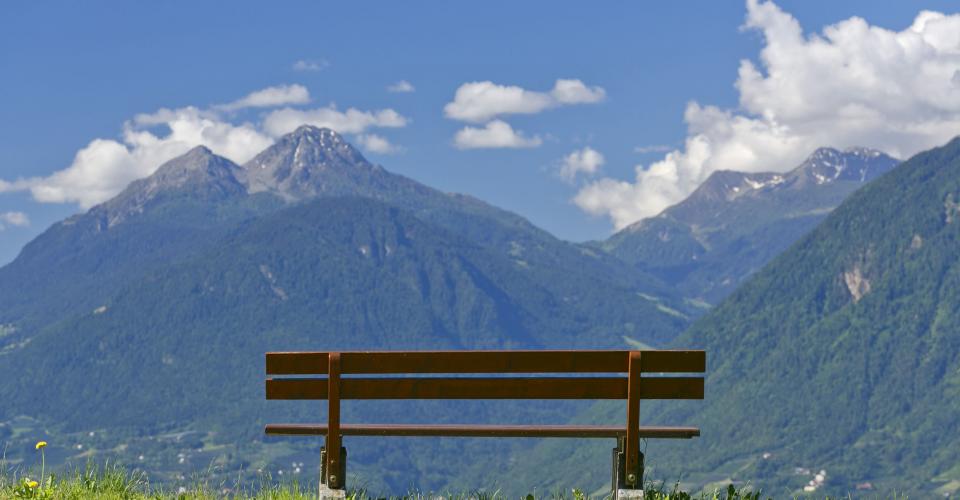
568	431
376	362
486	388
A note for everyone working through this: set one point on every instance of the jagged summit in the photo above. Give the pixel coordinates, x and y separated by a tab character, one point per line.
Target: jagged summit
726	185
734	222
198	174
306	162
823	166
858	164
200	150
198	164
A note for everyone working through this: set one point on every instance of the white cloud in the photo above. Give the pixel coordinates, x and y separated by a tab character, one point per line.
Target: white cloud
351	121
478	102
104	167
496	134
851	85
311	65
575	92
270	97
13	219
377	144
402	86
652	148
583	161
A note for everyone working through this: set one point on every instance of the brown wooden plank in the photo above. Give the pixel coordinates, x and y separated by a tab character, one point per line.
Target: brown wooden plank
373	362
297	363
487	388
565	431
671	361
671	387
295	389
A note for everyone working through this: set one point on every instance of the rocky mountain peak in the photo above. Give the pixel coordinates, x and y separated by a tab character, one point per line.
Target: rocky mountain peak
194	165
303	162
857	164
199	173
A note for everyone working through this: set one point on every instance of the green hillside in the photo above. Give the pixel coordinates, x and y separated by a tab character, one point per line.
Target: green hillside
842	355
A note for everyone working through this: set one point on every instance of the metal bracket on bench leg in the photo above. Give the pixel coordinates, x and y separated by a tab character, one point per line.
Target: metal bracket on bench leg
337	492
621	489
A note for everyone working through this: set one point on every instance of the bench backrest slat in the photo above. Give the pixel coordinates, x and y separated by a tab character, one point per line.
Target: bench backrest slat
315	363
487	388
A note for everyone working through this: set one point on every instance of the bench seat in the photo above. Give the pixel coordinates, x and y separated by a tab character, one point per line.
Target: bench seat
564	431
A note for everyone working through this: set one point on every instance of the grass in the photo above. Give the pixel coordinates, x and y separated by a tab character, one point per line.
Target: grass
115	482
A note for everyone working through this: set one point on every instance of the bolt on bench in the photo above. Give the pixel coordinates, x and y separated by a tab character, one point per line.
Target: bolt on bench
563	379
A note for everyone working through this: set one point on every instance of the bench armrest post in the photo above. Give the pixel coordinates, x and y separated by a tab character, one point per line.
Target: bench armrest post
333	456
633	470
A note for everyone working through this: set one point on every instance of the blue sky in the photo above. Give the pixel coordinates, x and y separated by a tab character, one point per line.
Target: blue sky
76	72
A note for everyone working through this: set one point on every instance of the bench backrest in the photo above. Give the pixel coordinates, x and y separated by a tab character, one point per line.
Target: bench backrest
485	362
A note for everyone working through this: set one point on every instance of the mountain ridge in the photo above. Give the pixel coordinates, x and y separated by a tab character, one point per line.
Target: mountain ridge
735	222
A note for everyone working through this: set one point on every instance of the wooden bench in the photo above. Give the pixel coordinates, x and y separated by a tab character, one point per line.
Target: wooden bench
572	375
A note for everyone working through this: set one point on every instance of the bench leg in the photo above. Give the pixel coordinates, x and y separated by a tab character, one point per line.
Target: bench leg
340	475
619	483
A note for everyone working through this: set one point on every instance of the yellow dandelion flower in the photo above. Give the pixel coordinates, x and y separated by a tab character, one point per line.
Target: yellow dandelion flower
32	484
41	444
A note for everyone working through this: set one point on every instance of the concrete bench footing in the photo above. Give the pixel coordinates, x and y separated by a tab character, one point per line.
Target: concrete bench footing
331	494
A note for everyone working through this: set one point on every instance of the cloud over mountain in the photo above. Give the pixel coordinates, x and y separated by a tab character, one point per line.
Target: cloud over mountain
377	144
851	84
351	121
271	97
13	219
104	167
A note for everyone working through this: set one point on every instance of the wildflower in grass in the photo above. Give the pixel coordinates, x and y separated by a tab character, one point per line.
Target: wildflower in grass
32	484
43	458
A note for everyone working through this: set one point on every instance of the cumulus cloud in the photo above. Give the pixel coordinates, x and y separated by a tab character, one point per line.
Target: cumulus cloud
402	86
351	121
496	134
104	167
575	92
853	84
13	219
311	65
585	161
478	102
271	97
377	144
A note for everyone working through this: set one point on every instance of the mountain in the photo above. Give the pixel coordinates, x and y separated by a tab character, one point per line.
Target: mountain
736	222
183	206
194	199
841	355
148	316
312	162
